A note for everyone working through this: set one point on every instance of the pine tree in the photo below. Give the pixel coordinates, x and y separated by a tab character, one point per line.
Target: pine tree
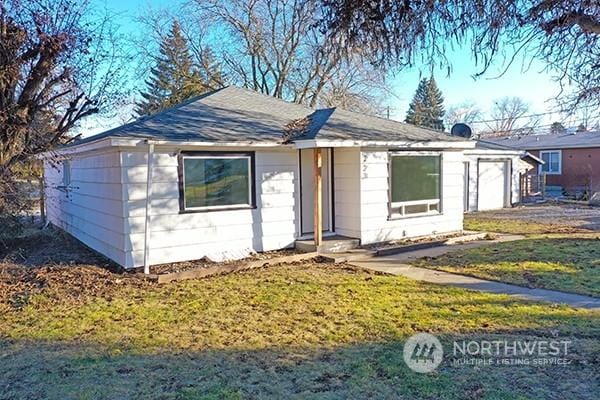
175	77
557	127
427	107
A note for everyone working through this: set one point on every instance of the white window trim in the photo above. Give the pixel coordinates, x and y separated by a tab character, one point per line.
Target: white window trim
66	173
401	205
249	204
541	167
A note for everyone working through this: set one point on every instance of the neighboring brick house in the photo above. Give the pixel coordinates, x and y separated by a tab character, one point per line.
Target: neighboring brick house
572	160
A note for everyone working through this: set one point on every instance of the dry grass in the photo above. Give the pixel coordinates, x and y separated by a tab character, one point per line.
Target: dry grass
292	331
474	222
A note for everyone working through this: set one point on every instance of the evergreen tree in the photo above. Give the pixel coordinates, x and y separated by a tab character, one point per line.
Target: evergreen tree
427	107
175	77
557	127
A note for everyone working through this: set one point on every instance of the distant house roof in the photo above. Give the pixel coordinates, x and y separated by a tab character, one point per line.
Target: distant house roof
233	114
550	141
525	155
488	145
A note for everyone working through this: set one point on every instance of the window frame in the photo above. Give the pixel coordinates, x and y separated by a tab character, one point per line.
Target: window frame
66	173
393	207
250	155
559	172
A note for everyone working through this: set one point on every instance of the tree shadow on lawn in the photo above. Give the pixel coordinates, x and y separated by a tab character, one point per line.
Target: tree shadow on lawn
63	370
565	264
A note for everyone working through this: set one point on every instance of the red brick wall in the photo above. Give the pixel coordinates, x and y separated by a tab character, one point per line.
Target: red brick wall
580	168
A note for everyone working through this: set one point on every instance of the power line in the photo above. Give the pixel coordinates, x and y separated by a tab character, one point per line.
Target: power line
528	130
527	116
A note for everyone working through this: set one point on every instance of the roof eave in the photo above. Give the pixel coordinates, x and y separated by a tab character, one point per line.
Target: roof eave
134	142
438	144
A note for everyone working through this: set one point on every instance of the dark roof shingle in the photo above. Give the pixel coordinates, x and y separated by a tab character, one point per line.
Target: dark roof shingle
233	114
550	141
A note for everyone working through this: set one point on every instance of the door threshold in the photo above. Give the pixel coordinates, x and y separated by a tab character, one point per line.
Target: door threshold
311	235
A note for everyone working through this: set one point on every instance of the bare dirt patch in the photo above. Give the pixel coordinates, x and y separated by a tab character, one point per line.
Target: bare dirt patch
51	261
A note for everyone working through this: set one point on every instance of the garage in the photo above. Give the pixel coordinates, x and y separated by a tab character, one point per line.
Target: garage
492	181
492	176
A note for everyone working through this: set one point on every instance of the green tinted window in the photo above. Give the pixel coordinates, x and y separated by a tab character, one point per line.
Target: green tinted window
415	178
216	182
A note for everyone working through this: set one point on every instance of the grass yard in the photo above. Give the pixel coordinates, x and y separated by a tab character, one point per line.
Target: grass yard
303	331
553	256
475	222
569	264
307	330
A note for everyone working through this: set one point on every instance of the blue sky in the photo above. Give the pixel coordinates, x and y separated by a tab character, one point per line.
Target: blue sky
533	85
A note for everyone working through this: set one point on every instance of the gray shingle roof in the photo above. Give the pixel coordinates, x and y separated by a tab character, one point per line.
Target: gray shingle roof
488	145
550	141
234	114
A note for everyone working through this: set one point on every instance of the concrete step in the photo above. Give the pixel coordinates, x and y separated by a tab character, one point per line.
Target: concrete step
330	244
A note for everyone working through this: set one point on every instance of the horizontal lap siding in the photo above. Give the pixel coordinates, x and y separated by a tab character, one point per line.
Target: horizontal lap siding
180	237
346	175
91	208
375	225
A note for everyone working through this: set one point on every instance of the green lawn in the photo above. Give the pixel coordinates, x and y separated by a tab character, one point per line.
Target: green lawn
296	331
566	264
474	222
552	257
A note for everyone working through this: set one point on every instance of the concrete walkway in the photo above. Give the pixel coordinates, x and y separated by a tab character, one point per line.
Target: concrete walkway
396	265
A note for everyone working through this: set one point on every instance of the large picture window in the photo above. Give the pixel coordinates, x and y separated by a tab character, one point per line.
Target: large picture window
552	162
415	184
216	181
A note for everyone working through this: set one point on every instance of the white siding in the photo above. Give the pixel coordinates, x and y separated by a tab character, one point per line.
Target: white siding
178	237
90	208
518	166
105	204
375	225
346	177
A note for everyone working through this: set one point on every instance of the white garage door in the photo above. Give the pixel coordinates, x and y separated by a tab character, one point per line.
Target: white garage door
492	188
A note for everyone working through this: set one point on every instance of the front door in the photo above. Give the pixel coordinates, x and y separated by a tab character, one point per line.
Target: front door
307	178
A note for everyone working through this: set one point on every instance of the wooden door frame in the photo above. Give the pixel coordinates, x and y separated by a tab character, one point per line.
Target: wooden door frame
330	190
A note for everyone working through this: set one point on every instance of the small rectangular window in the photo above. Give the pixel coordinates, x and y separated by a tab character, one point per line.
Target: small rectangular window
217	181
66	172
415	184
552	162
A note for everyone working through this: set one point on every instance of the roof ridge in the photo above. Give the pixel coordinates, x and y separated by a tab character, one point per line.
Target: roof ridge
289	103
395	121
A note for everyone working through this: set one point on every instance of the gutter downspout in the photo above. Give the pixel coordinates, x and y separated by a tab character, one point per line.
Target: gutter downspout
148	200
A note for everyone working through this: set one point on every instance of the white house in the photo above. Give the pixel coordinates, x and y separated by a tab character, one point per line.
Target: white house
234	171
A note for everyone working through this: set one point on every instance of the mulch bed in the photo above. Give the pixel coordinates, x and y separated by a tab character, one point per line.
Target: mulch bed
54	263
51	261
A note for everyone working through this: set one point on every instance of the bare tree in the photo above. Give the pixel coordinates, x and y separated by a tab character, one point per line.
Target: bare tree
56	68
505	114
564	34
466	113
272	47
